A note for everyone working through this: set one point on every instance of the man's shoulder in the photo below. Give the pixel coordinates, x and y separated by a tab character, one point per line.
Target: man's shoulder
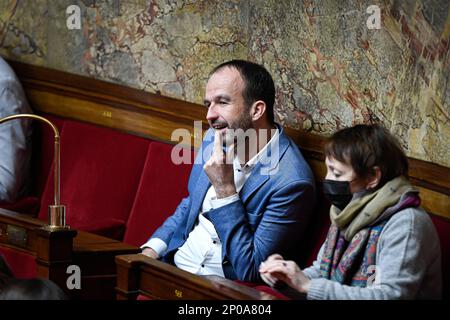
412	219
9	82
293	163
6	72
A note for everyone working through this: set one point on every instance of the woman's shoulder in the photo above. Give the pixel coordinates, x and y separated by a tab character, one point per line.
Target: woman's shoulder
411	220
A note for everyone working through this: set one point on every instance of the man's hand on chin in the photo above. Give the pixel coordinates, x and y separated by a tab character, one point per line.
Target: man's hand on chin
219	169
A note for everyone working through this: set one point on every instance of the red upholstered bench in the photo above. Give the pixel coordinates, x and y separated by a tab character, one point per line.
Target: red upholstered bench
22	264
106	177
113	184
162	186
100	172
443	228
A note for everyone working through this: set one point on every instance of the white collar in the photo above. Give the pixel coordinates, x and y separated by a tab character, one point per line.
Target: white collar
261	156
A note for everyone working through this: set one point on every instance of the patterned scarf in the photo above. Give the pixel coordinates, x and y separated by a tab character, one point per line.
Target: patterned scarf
353	261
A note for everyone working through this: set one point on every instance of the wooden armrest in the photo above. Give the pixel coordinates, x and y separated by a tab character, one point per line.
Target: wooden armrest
19	231
55	250
138	274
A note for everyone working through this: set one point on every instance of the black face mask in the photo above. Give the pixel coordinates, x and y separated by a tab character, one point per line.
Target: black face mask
338	192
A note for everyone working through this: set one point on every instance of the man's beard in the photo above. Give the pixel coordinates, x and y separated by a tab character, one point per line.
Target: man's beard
244	123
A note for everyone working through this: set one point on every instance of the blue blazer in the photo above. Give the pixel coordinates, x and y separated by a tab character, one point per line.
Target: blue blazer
270	217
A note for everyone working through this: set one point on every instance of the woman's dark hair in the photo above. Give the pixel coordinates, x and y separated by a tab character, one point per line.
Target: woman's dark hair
31	289
259	84
366	146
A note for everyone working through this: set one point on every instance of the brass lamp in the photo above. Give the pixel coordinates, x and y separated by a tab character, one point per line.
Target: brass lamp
56	212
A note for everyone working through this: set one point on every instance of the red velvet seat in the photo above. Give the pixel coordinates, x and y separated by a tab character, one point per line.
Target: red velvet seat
100	173
163	185
23	265
443	229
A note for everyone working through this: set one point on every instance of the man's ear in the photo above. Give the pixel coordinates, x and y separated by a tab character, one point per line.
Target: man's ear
257	110
373	179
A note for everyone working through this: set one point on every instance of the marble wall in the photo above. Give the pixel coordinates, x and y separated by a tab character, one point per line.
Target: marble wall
331	70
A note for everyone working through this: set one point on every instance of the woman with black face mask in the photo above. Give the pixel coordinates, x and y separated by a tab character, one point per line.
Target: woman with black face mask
381	244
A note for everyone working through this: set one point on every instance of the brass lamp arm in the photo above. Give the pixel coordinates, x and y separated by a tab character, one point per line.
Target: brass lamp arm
57	211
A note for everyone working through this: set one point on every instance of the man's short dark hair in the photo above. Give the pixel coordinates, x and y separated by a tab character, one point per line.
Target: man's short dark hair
366	146
258	82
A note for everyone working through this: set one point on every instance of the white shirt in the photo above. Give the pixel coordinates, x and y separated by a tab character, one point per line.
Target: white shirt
202	252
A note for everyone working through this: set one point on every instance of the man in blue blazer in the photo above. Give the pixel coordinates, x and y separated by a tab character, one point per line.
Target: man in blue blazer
251	193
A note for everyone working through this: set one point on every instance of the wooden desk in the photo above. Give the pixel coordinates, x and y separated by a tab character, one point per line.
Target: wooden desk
140	275
55	250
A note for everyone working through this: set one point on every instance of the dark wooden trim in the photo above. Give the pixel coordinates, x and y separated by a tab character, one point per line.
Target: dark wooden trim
56	249
106	92
139	274
69	80
155	116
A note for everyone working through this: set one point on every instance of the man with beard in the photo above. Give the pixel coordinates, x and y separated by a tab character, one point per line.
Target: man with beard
250	192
